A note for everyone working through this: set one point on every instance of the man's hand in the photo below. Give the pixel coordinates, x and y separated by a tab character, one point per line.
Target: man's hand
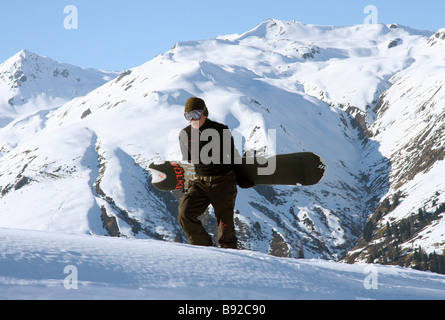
246	184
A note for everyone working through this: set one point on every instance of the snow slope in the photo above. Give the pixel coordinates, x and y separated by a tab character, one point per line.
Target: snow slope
42	265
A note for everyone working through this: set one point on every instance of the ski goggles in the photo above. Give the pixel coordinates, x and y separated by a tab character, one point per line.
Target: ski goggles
193	115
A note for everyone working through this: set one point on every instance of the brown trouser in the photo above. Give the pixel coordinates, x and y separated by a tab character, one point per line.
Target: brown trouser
221	193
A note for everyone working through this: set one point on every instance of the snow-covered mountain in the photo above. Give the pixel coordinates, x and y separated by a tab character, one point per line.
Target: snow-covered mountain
367	98
31	85
410	129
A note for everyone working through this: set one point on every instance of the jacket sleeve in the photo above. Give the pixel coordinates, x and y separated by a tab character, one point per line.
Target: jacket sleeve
234	154
183	144
241	179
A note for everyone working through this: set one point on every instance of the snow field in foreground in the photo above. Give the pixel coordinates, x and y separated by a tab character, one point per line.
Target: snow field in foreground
41	265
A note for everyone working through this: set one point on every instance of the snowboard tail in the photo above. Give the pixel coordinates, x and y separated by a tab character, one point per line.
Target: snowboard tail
304	168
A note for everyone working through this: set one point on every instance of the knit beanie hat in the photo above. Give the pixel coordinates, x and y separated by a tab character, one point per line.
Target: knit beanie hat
196	104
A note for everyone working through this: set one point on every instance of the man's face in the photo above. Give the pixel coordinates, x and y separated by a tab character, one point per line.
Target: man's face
196	124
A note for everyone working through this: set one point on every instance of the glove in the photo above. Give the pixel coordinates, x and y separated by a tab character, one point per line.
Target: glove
242	181
245	184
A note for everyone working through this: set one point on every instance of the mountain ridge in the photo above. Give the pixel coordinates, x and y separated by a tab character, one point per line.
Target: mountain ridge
29	82
31	86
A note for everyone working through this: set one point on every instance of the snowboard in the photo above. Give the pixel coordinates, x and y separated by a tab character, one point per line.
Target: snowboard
304	168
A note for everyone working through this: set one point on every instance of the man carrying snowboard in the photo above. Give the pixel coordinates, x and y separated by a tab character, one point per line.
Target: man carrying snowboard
209	146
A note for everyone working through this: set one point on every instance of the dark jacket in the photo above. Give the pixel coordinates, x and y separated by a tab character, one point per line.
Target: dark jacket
214	155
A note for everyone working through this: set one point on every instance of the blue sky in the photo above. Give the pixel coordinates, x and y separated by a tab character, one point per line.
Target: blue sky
118	34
